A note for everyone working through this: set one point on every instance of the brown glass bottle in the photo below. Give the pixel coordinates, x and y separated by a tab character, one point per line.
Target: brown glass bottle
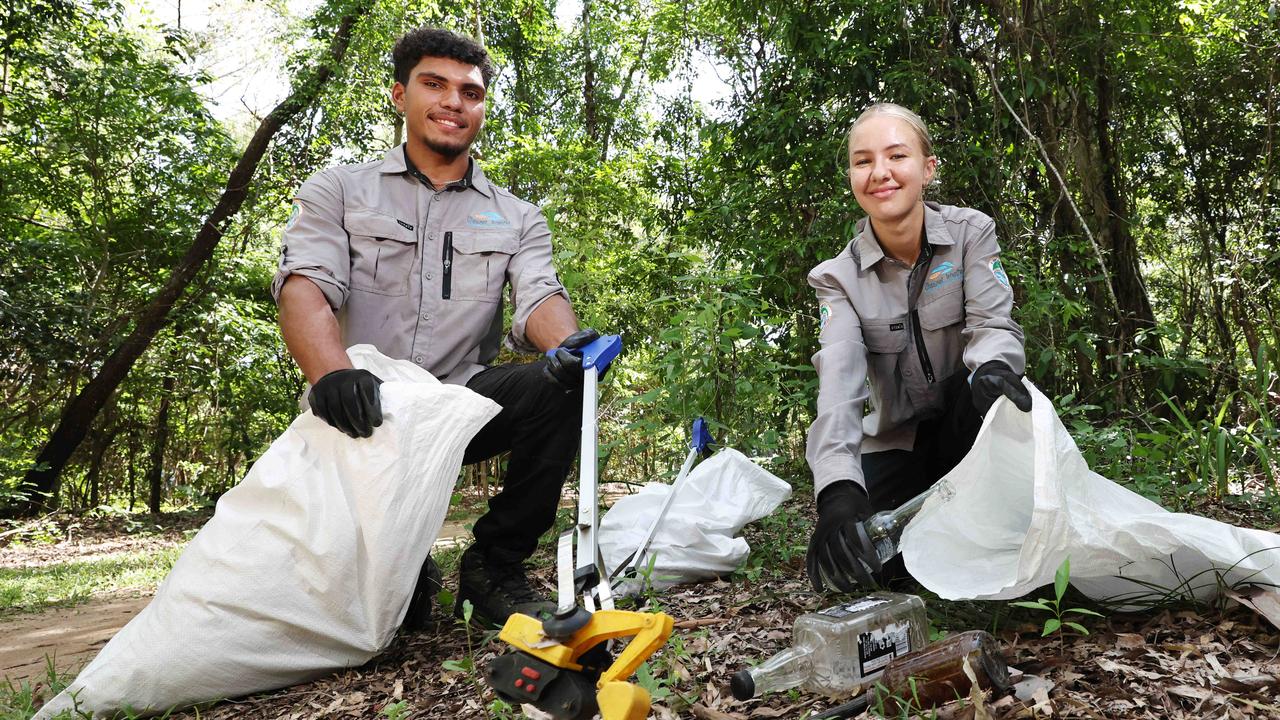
935	675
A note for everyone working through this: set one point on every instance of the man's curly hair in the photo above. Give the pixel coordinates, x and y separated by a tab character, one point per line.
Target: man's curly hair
437	42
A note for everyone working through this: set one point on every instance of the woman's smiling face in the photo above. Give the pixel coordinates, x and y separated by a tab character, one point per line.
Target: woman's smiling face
888	168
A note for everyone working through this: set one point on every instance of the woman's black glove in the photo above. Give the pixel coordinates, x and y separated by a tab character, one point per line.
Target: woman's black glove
565	368
993	379
348	400
841	555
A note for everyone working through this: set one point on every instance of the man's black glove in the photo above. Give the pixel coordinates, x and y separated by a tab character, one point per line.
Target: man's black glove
348	400
841	555
563	367
993	379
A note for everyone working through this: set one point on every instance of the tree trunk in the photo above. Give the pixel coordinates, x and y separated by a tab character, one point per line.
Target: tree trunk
589	110
99	451
41	480
133	468
155	471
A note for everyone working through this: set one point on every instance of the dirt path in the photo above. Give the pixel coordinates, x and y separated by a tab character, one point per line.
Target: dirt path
72	636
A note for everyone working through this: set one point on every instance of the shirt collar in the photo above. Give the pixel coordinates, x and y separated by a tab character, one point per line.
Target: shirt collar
397	162
867	250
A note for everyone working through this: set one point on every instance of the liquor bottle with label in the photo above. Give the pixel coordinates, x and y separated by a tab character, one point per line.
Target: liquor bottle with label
839	650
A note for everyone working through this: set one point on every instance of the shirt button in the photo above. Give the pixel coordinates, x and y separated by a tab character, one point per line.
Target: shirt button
426	316
436	198
432	236
907	372
418	359
428	276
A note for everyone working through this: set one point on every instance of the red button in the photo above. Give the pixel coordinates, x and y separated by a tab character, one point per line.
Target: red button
531	687
530	673
519	682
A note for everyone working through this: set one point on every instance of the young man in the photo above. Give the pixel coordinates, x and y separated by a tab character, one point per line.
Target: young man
411	253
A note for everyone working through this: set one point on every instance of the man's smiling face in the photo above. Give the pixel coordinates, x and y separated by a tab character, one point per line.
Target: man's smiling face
443	105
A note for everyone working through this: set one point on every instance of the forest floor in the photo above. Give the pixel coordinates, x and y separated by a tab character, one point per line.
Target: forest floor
1187	662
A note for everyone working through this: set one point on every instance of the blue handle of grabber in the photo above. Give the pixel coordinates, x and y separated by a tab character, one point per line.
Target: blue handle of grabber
702	440
598	353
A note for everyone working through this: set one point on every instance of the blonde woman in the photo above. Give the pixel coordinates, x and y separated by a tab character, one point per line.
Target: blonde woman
919	305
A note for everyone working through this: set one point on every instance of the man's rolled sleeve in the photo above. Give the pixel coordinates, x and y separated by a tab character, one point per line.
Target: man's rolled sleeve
533	279
990	332
314	243
834	445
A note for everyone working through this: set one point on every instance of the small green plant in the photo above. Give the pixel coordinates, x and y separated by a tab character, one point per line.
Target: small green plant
656	686
1055	624
500	709
468	663
394	710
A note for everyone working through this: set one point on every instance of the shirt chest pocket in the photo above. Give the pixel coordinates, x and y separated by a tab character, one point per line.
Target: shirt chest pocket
885	337
942	312
382	252
480	260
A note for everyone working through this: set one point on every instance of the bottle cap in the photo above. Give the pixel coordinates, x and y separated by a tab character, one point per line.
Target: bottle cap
742	686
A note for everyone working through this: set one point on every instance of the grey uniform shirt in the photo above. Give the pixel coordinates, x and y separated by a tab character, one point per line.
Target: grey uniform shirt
872	331
419	273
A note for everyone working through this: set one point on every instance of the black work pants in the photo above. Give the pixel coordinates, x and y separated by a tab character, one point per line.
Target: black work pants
895	476
541	425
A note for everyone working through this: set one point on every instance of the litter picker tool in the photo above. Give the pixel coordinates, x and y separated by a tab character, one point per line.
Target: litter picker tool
561	664
588	576
699	445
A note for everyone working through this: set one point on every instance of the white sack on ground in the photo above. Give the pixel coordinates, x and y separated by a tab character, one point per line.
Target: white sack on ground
1024	499
306	566
696	538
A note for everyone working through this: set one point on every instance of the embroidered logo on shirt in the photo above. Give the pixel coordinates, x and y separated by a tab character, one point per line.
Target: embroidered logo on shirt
998	270
488	218
824	314
293	215
945	274
897	326
404	224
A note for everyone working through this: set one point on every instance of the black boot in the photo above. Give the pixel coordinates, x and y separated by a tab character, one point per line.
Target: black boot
418	617
497	589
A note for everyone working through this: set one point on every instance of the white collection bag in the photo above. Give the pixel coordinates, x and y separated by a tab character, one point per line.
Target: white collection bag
696	538
1023	500
307	565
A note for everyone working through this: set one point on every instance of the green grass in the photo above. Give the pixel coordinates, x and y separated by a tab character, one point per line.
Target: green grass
65	584
18	699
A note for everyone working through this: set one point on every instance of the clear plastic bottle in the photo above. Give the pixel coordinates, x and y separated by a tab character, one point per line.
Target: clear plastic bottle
885	527
839	650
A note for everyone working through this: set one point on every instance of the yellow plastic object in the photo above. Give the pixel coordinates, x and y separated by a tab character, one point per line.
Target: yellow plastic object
623	701
618	700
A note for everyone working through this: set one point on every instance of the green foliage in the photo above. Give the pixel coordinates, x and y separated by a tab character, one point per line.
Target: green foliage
687	227
1053	607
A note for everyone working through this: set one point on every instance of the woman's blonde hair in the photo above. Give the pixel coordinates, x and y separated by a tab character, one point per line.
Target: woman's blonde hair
897	111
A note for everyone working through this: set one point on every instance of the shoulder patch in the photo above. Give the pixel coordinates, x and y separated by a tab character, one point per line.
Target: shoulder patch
997	269
293	215
824	314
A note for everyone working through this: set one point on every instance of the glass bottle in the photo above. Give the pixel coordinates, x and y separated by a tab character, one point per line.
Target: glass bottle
885	527
838	650
936	675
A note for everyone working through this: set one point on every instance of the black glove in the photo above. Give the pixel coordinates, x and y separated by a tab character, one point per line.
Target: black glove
348	400
841	554
563	367
993	379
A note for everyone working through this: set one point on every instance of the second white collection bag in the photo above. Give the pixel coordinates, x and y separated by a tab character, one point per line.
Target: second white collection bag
696	540
1024	499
